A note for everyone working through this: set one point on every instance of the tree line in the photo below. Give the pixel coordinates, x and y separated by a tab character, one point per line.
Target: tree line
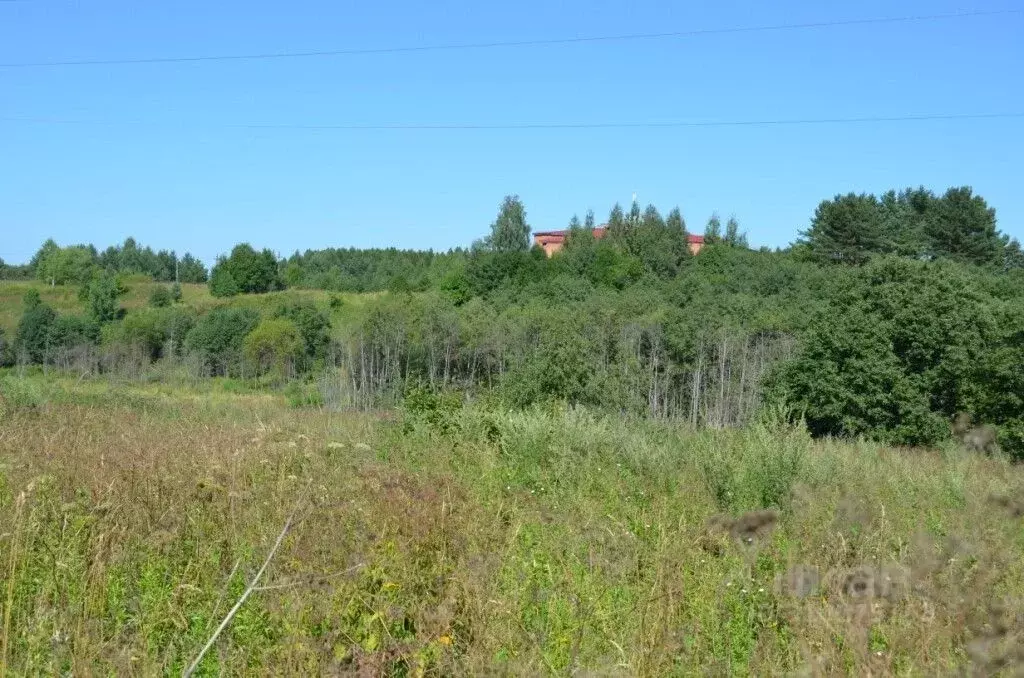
913	223
886	318
78	264
280	343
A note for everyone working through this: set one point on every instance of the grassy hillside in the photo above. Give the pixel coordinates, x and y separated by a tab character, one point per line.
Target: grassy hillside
464	541
64	298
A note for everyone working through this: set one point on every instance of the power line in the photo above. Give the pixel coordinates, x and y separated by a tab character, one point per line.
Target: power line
516	43
542	125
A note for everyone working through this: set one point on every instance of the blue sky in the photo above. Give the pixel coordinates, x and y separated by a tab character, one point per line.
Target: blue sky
164	164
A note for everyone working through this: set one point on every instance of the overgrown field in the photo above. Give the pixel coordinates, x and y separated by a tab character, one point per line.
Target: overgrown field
453	539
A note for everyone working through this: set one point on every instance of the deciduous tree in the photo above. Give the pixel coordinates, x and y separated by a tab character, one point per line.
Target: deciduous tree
245	271
509	232
713	229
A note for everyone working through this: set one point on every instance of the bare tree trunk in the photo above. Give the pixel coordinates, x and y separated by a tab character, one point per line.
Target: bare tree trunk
696	395
723	350
741	410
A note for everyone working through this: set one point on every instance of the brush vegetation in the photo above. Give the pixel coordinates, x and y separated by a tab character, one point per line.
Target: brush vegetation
454	538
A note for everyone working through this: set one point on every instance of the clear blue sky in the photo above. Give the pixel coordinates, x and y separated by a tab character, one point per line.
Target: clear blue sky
166	167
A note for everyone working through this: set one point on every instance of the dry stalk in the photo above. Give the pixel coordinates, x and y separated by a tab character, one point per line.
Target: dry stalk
241	600
12	564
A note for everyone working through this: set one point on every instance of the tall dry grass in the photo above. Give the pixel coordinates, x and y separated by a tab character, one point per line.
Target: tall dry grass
522	543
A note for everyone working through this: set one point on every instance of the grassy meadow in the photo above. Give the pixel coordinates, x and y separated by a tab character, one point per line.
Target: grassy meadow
462	539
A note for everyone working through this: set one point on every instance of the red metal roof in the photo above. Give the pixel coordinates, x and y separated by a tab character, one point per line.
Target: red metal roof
600	232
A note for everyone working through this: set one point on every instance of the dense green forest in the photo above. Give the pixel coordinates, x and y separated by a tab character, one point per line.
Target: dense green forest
78	264
886	317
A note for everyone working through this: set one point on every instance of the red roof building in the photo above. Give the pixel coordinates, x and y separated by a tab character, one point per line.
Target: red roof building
552	241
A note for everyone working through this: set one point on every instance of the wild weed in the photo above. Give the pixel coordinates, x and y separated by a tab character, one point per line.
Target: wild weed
485	541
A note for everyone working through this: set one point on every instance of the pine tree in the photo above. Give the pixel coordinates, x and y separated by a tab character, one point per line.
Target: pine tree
964	228
1013	255
160	297
847	229
191	270
674	221
652	218
903	217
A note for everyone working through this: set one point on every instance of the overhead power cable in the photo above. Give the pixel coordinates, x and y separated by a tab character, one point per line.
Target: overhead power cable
535	125
513	43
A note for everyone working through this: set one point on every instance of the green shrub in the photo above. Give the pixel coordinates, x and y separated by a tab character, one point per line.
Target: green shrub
42	333
19	394
755	469
6	352
102	293
274	345
1011	439
70	331
179	322
217	338
35	329
155	330
437	410
559	367
161	296
222	283
303	394
314	328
